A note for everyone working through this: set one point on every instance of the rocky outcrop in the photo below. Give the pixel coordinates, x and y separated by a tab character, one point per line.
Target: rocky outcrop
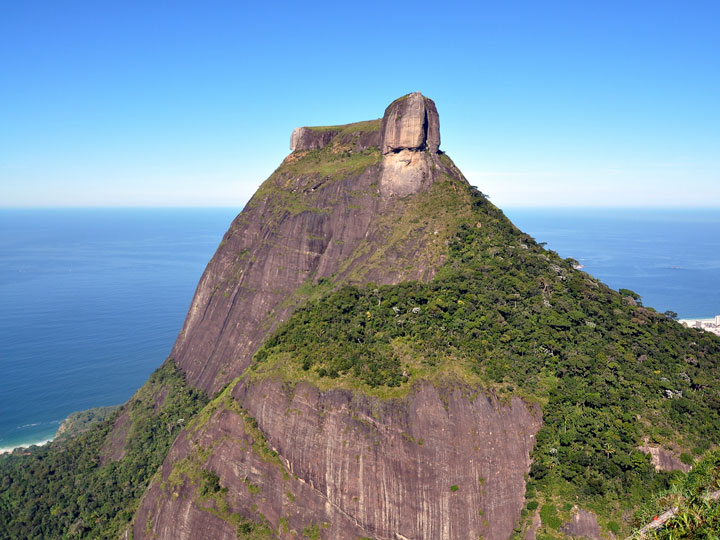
436	464
664	460
411	123
583	524
358	136
405	172
410	142
305	138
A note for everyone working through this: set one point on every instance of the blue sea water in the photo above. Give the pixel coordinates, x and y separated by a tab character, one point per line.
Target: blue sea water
670	257
92	300
90	304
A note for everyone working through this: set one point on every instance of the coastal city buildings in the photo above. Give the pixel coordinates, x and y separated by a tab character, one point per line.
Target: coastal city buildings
709	325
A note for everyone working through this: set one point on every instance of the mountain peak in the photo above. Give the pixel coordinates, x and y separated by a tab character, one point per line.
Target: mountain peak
411	123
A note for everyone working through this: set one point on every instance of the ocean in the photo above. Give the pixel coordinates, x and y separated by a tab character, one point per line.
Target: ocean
671	258
92	300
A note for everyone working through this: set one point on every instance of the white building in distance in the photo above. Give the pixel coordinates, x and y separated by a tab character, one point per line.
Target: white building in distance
709	325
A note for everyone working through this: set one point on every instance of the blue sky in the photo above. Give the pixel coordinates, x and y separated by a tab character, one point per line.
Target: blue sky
192	104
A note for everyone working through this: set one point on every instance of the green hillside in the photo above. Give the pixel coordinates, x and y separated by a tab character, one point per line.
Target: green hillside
507	314
66	490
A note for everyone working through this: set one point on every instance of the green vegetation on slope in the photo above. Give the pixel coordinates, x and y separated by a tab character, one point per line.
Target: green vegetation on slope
291	186
209	495
63	491
695	496
519	319
81	421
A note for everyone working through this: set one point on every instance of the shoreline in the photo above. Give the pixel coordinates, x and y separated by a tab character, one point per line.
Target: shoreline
75	423
11	449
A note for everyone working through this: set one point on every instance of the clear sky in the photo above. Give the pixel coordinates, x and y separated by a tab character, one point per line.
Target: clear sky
192	103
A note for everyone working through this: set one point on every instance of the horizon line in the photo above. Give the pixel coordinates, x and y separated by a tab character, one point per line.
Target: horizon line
241	206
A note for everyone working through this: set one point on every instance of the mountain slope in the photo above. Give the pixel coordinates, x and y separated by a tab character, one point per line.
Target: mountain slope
392	222
329	210
386	400
392	359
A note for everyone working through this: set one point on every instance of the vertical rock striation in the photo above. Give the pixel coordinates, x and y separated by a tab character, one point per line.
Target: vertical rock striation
436	464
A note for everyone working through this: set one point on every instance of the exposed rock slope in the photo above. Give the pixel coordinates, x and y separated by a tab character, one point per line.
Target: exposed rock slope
337	463
328	210
432	465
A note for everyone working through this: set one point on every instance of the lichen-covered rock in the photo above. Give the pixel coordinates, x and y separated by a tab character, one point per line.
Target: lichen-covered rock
411	122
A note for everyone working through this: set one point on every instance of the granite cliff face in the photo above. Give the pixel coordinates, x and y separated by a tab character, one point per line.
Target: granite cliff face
411	123
367	202
437	464
304	224
410	143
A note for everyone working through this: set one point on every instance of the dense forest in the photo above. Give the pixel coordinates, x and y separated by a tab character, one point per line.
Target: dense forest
72	489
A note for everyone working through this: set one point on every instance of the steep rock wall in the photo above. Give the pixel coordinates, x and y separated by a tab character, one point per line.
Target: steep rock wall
411	122
436	464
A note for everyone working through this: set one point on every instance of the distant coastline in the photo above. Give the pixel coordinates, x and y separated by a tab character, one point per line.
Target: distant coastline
92	302
75	424
709	324
10	450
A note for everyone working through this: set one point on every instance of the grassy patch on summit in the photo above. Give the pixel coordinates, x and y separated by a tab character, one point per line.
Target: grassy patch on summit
367	126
